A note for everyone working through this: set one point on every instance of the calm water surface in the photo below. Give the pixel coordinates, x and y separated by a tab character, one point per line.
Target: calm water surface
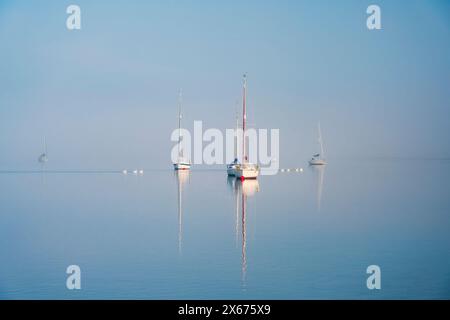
200	235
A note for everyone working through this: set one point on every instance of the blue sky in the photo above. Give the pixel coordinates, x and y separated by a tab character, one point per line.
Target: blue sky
105	97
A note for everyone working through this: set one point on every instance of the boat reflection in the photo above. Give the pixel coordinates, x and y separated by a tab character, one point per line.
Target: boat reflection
242	190
182	177
319	171
231	181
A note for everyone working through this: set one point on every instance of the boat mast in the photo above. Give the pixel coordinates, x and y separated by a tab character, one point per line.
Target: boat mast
322	155
244	118
179	123
236	133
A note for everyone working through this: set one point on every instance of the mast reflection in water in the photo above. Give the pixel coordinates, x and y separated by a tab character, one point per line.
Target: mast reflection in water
182	177
242	190
319	171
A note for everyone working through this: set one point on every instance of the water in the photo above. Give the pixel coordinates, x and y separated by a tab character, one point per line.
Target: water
303	235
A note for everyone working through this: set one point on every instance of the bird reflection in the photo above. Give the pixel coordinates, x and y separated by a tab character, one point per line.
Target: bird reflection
182	177
319	172
242	190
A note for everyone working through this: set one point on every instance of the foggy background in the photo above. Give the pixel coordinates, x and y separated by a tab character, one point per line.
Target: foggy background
105	97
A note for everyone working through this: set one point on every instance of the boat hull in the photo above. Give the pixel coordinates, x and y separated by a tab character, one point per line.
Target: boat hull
317	162
231	170
248	171
182	166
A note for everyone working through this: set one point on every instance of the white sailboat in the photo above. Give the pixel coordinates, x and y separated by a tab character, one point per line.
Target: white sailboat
231	168
245	170
319	158
43	158
182	163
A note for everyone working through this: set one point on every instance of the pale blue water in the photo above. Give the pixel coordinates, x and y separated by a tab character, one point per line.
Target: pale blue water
298	240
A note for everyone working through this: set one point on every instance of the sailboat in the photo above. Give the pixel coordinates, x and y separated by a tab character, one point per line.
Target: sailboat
319	158
43	158
231	168
245	170
182	163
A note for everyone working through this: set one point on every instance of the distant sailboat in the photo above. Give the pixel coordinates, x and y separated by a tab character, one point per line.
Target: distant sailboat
182	163
319	158
231	168
43	158
245	170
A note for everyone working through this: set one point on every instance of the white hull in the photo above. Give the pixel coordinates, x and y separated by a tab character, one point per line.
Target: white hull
231	169
317	162
247	171
181	166
43	158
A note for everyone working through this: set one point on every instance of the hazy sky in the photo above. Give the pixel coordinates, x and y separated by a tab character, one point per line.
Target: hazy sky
105	97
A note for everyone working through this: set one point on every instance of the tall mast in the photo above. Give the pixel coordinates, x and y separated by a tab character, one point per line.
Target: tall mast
244	118
179	122
320	142
236	133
